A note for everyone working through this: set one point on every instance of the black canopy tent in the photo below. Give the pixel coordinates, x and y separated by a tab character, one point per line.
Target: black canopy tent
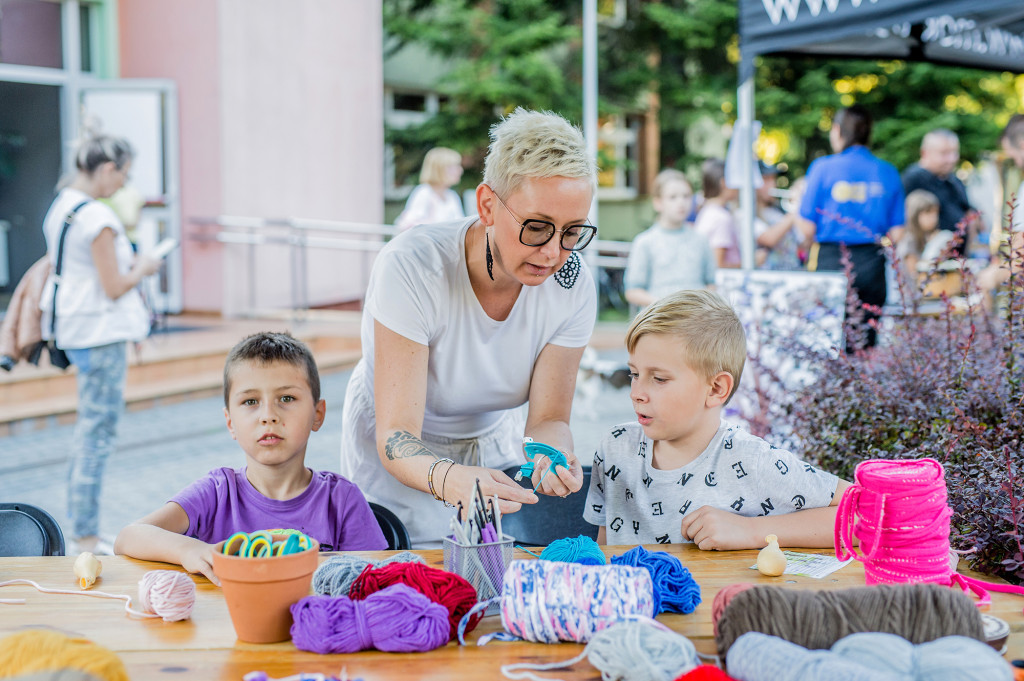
984	34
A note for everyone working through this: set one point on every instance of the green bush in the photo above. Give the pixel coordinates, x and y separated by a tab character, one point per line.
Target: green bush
949	387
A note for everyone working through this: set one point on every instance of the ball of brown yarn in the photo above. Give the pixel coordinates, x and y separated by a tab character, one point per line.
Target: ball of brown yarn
817	619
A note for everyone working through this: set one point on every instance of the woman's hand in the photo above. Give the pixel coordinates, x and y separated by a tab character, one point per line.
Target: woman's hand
147	265
458	484
567	480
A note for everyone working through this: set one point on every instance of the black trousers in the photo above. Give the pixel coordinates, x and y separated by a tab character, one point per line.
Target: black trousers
867	280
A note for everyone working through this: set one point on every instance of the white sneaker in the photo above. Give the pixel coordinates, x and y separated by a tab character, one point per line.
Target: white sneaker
101	545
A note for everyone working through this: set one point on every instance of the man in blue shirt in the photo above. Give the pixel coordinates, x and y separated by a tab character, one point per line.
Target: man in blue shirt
852	200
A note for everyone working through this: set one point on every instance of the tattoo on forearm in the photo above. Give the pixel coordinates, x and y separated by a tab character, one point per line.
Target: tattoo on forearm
403	445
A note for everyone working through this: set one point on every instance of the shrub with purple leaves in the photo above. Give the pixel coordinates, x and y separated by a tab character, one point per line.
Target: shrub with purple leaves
949	386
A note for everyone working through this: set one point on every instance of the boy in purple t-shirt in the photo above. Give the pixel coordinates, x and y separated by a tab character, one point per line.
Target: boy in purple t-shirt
272	404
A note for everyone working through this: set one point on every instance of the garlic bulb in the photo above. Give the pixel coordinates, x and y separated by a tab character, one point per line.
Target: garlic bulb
87	569
770	560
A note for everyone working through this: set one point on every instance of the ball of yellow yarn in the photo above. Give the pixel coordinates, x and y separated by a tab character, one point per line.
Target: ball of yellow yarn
41	650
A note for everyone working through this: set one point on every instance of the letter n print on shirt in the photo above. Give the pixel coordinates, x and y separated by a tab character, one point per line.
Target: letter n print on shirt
663	539
683	479
767	506
613	472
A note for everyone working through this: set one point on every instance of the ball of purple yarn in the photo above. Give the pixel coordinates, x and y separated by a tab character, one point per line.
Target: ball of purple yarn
674	587
397	619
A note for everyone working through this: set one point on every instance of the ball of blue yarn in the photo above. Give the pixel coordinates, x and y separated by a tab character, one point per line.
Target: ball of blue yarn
581	549
334	577
674	587
865	656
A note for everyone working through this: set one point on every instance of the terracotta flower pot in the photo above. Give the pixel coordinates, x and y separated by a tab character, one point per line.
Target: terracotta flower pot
260	591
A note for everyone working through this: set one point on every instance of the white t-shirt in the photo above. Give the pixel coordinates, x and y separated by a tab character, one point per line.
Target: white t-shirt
86	317
663	261
477	367
424	207
478	370
738	472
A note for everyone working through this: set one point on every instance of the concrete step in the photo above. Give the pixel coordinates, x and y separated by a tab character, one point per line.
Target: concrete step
165	370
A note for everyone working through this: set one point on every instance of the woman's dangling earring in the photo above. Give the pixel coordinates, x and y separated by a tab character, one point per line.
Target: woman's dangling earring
490	258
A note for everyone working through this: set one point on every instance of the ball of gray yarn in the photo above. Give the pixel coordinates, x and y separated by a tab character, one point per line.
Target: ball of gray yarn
639	651
867	656
334	577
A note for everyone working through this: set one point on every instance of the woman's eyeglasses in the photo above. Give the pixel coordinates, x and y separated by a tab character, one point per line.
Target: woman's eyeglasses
539	232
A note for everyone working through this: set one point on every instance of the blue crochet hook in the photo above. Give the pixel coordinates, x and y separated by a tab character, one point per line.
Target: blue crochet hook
533	449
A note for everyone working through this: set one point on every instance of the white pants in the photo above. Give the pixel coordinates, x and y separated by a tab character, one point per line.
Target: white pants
426	519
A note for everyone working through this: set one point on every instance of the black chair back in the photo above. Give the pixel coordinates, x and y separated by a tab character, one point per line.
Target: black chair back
551	518
27	530
393	528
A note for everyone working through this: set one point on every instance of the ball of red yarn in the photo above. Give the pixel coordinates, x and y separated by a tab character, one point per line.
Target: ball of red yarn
722	599
440	586
705	672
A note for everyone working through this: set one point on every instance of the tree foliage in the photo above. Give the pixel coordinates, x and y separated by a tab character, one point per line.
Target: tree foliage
508	53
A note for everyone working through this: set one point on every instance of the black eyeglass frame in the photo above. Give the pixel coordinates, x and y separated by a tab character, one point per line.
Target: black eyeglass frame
587	229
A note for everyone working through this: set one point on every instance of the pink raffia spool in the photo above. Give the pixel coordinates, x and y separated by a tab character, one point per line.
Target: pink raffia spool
898	511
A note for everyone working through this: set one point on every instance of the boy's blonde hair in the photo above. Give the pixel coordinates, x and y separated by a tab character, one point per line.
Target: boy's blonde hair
667	175
436	164
919	201
535	144
711	335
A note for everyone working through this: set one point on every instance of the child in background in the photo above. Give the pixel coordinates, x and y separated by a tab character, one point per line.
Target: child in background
924	243
671	255
680	474
715	219
271	404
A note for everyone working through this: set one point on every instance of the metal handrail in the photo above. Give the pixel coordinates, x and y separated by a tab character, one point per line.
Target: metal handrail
295	233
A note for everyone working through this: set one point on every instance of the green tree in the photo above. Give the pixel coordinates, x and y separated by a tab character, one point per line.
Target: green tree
505	54
509	53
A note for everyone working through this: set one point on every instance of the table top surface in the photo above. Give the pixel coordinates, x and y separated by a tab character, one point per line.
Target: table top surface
205	646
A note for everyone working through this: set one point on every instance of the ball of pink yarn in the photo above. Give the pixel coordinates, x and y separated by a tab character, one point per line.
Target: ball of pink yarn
397	619
168	593
722	599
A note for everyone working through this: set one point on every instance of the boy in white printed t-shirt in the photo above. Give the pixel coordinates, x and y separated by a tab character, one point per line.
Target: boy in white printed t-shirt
680	474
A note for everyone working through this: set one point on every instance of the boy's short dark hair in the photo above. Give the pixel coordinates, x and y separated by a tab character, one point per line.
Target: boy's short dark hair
711	334
269	346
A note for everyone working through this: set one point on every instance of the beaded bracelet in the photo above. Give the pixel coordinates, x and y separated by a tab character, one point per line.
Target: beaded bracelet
430	479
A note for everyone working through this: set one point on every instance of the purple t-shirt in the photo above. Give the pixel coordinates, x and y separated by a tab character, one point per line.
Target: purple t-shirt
331	510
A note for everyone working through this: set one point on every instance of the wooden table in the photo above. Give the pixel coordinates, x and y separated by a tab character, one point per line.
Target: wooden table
205	646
